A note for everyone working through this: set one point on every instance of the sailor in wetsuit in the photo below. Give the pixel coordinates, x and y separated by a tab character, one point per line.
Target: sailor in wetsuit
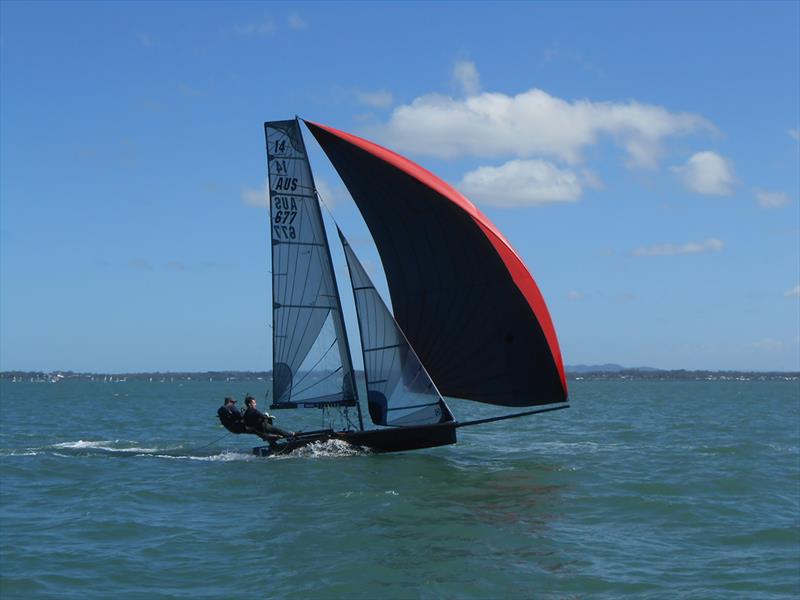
257	422
230	417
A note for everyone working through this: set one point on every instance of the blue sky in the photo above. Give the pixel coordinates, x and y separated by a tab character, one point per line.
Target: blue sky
642	159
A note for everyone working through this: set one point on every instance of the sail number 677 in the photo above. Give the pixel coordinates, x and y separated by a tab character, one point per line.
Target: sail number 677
284	216
283	227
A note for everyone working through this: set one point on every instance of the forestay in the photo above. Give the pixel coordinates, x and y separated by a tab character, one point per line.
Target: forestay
399	390
311	358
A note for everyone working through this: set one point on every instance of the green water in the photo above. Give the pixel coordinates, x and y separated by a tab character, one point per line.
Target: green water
641	489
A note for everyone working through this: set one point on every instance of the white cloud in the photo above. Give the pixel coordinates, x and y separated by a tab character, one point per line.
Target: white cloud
771	199
265	26
768	344
707	173
141	264
467	78
625	298
710	245
297	22
188	90
521	183
145	40
177	265
532	123
255	197
795	133
377	99
574	295
793	293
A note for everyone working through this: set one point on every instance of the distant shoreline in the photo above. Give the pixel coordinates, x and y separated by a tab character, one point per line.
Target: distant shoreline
580	373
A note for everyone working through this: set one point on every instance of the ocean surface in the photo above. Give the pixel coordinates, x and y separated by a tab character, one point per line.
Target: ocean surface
645	489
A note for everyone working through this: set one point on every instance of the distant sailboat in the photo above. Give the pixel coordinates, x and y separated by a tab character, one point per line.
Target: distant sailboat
469	320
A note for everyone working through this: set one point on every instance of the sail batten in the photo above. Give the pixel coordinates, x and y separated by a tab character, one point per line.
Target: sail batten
307	318
460	293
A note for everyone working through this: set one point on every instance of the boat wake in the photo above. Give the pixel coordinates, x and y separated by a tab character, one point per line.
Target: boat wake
224	456
129	448
105	446
322	449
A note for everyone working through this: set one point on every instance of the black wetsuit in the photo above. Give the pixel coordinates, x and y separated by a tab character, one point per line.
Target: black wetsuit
231	418
258	422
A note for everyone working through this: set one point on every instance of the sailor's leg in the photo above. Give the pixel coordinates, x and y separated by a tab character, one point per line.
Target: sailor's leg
267	437
271	429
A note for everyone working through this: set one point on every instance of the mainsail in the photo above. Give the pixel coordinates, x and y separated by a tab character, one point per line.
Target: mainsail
399	390
311	358
460	293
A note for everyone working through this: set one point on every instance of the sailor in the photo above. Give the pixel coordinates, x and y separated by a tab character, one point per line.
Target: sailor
230	417
257	422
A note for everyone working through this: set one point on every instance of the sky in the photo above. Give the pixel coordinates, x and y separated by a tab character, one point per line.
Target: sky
642	158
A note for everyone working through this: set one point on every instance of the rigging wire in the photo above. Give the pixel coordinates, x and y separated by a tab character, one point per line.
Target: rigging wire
210	443
511	416
204	446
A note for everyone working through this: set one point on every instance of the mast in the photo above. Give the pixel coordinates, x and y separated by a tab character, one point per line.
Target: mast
312	366
338	323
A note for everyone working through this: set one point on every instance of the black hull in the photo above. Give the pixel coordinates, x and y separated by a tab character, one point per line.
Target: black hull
397	439
403	438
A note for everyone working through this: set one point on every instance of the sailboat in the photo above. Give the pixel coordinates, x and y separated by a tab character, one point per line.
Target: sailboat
468	320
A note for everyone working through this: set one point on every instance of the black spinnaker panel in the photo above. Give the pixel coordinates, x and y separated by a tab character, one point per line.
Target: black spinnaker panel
399	391
461	295
311	358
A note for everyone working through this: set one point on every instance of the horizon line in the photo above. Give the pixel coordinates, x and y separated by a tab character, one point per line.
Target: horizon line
584	369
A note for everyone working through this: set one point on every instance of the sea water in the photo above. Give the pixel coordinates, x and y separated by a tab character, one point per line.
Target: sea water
646	489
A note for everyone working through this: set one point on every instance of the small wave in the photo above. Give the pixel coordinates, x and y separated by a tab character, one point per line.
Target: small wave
103	445
221	457
784	448
584	446
19	453
84	444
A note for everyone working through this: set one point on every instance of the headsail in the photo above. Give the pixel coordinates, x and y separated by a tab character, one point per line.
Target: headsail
461	294
311	358
399	390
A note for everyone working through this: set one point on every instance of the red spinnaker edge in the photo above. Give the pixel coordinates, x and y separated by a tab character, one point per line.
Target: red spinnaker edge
516	268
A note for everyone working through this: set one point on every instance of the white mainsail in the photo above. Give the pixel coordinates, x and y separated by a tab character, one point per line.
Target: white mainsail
311	357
